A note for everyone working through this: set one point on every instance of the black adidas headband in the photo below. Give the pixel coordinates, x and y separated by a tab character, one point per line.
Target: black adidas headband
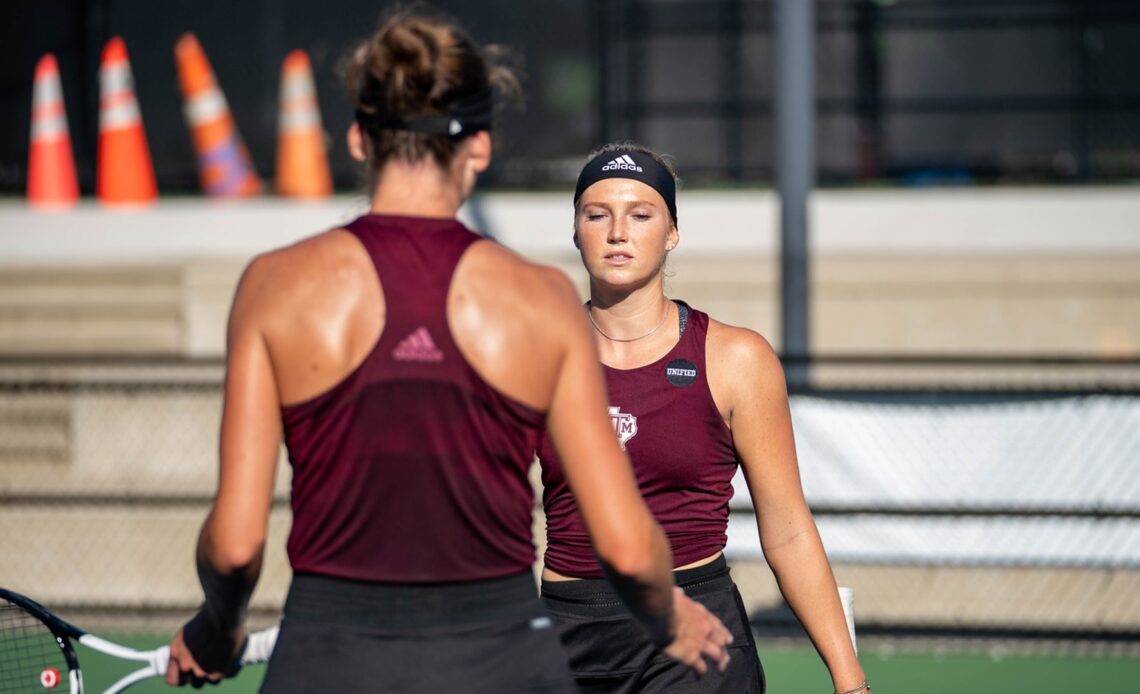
629	164
461	117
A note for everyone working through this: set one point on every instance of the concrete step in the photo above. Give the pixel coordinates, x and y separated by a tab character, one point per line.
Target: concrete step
1079	305
123	310
35	430
101	440
1086	305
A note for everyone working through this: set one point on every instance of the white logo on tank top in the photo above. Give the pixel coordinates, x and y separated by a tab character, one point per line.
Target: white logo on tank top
625	425
418	347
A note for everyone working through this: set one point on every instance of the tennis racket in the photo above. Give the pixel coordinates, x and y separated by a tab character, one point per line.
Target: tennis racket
847	599
36	652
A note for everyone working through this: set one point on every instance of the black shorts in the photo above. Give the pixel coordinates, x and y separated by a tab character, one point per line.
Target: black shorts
484	637
610	652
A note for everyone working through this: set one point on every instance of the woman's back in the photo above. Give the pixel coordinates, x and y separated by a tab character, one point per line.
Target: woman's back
409	466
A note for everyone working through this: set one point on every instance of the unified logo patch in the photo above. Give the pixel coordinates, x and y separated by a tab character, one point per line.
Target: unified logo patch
625	425
681	372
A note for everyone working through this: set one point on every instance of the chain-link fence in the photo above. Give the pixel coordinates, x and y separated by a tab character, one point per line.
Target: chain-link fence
968	500
107	470
971	498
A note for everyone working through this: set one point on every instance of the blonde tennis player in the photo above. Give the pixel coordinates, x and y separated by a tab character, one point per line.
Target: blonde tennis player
691	400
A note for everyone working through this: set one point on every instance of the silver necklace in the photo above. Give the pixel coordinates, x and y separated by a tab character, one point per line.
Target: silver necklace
601	332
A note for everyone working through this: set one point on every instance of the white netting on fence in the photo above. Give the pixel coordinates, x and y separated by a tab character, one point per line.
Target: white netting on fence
1019	482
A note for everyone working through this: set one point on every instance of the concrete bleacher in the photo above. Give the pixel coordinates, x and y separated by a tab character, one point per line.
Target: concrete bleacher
1076	306
1026	272
1018	272
91	310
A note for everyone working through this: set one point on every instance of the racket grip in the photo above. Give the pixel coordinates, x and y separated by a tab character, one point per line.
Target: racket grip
159	660
847	599
260	646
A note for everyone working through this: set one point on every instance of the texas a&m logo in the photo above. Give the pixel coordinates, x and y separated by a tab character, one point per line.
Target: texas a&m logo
625	425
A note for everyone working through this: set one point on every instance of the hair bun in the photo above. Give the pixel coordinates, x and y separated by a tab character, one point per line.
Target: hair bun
412	53
417	66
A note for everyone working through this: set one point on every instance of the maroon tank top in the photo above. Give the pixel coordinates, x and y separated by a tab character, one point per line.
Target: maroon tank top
412	469
682	455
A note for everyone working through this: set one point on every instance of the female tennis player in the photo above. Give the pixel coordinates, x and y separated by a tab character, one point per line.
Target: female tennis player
410	367
690	399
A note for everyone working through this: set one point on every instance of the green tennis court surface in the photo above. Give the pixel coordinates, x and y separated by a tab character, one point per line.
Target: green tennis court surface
797	670
100	671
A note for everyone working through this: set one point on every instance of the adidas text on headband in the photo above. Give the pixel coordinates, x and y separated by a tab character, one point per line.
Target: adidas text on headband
630	164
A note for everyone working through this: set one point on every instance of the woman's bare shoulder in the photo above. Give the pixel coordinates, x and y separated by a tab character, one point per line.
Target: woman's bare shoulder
292	262
312	267
741	351
539	287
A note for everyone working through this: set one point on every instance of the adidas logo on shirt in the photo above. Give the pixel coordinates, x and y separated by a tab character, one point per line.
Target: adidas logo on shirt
624	163
418	347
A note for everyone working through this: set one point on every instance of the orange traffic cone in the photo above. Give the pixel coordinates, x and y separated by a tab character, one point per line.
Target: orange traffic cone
125	172
302	165
52	183
223	161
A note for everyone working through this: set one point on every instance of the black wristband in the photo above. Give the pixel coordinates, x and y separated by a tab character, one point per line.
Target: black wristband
658	628
212	647
656	619
227	595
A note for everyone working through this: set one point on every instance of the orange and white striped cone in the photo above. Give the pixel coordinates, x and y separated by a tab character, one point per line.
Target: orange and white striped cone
223	160
125	175
302	163
52	183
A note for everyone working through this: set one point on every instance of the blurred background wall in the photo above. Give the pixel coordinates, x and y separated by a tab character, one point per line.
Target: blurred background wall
910	91
975	288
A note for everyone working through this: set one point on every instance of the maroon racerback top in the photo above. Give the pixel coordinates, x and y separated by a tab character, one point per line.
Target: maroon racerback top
412	469
682	454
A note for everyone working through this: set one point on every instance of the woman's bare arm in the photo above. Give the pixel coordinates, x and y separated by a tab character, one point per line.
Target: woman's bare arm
748	371
232	539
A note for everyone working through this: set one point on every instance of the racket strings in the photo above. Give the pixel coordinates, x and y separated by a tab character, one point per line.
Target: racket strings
28	650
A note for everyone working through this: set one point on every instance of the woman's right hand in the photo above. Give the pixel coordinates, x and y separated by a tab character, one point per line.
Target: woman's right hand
697	635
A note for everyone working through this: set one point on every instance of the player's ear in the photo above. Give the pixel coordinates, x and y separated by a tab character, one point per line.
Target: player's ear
672	238
355	139
479	150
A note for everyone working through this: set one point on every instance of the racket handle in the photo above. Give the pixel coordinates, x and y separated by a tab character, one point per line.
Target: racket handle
260	646
159	660
847	599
